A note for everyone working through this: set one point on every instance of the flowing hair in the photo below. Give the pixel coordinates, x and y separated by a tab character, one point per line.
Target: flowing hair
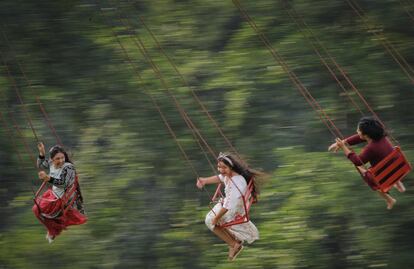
58	149
241	168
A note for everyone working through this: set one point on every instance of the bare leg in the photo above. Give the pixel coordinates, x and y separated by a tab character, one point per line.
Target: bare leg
234	246
230	234
388	198
400	186
224	235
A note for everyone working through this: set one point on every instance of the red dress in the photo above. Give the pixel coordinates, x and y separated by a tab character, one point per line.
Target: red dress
65	191
53	217
373	153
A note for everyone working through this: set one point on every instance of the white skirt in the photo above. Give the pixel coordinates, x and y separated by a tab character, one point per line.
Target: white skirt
245	232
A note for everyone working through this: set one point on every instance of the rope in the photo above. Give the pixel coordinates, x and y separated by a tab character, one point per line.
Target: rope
154	102
186	84
296	17
156	70
13	82
43	110
292	76
28	82
404	6
384	42
27	114
318	53
159	75
10	135
159	109
19	132
195	97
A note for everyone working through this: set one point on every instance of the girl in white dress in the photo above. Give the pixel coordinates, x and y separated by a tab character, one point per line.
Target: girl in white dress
235	178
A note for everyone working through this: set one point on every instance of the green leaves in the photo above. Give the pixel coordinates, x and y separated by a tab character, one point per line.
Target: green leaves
144	210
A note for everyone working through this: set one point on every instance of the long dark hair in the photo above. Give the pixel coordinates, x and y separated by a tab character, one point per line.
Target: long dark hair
58	149
372	128
241	168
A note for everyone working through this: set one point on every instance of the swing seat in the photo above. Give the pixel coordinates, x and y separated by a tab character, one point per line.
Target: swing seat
67	200
248	200
388	171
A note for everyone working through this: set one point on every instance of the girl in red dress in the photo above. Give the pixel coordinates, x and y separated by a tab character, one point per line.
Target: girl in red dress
378	147
50	208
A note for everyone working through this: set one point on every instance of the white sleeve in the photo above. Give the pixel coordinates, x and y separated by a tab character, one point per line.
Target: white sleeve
232	194
221	177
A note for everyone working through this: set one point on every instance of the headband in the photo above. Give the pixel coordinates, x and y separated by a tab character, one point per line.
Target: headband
225	157
55	147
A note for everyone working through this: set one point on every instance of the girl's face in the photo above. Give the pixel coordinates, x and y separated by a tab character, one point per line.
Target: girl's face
361	135
58	160
223	169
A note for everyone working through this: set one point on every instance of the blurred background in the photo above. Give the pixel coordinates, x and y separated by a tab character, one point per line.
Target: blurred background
136	90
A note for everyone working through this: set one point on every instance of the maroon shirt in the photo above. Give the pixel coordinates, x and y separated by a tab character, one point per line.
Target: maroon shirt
373	153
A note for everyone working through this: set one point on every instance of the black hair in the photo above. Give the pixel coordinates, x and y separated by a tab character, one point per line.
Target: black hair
58	149
242	169
372	128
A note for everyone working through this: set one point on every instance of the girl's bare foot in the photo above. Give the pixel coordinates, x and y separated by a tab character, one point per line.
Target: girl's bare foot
50	238
390	203
400	186
235	250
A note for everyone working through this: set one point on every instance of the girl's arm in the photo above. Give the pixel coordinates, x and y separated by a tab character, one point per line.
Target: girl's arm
201	181
42	162
360	159
219	215
342	144
352	140
356	159
67	177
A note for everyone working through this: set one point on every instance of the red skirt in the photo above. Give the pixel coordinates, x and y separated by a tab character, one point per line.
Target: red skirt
51	216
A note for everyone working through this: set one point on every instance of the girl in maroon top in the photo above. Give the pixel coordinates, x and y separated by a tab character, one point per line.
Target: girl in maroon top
371	131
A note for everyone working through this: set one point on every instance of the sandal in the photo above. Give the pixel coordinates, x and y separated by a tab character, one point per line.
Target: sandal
235	251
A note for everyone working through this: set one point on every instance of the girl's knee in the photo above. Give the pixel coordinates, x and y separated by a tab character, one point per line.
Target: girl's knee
35	210
209	221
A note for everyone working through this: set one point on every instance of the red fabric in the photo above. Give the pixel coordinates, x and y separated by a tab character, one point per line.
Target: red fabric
49	204
369	179
373	153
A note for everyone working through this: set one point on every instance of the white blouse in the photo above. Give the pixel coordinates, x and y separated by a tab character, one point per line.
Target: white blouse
61	178
235	187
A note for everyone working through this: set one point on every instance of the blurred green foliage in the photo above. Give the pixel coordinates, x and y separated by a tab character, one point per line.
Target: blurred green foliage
144	210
